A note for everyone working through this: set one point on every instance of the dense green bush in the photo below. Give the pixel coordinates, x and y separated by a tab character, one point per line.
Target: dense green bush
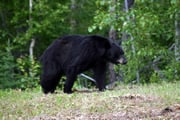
29	73
150	29
21	73
7	69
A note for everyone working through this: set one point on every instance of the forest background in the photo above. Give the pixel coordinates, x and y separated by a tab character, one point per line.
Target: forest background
148	29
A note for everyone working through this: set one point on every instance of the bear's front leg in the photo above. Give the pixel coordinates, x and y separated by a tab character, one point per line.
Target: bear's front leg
100	75
69	83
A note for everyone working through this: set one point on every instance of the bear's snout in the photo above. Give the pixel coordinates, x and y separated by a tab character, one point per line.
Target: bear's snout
122	61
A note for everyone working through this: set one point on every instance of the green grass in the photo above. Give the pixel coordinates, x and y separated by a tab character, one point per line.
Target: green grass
137	101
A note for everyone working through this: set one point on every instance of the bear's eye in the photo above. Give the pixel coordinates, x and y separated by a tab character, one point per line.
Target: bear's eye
121	52
116	56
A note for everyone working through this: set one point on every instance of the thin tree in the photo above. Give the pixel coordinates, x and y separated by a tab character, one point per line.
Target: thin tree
177	37
73	20
32	43
113	37
127	5
30	27
177	40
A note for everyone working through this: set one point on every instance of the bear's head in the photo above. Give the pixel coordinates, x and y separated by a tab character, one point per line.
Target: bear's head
115	54
109	50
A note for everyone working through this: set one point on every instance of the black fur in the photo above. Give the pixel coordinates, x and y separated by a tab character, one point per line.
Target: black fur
71	55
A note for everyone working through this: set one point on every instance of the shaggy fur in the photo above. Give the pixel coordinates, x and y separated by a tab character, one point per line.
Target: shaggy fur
71	55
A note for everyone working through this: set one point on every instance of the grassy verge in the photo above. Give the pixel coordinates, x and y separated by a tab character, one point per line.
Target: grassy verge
155	101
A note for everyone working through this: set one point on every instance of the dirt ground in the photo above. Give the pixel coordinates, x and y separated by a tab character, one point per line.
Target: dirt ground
133	107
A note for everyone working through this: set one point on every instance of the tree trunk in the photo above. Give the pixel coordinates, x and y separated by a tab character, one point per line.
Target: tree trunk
112	36
177	42
127	5
73	20
32	43
31	47
112	76
177	37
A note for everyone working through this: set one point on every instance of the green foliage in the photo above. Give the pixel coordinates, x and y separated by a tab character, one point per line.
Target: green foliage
7	63
22	73
47	21
106	15
28	76
172	71
82	14
150	26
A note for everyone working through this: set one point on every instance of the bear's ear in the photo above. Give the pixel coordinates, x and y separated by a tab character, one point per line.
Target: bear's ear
102	41
119	42
102	44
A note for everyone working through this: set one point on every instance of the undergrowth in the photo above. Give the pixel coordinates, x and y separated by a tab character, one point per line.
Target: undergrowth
123	102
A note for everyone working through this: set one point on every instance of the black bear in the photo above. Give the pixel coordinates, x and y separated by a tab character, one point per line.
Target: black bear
74	54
